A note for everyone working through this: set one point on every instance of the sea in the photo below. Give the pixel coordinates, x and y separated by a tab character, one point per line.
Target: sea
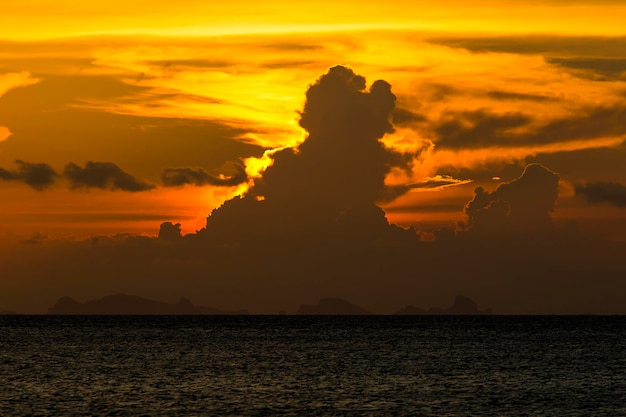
312	366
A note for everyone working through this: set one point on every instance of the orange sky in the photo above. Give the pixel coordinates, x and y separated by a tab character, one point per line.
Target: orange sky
253	82
143	87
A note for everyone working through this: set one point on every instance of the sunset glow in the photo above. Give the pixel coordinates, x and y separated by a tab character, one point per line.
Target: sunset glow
119	116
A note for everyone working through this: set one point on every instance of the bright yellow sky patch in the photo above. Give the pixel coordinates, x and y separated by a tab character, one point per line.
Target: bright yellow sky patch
37	19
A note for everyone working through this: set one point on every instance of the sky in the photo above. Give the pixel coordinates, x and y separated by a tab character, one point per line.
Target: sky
495	130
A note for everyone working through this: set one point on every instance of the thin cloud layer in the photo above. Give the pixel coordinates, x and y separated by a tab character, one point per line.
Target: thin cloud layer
103	175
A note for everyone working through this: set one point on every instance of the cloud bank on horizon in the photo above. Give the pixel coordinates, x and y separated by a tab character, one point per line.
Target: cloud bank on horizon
311	226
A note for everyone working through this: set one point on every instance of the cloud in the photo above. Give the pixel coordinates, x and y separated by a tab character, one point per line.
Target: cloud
593	57
478	128
437	182
587	165
9	81
170	231
482	128
38	176
331	182
173	177
103	175
537	44
511	95
523	204
403	116
603	192
48	123
603	69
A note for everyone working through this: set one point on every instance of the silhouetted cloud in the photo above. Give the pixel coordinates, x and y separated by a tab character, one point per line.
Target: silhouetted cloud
511	95
482	128
38	176
436	182
539	44
332	181
594	57
58	107
170	231
172	177
608	69
404	116
478	128
603	192
103	175
523	204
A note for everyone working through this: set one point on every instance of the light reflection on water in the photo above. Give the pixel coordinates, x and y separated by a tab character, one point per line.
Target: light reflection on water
317	366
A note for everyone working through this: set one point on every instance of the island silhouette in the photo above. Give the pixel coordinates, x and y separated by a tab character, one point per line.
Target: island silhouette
124	304
462	306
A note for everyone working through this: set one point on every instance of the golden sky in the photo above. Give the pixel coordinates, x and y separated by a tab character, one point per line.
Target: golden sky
103	103
136	83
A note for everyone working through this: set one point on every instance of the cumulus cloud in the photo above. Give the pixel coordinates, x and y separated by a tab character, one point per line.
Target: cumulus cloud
603	192
173	177
523	204
103	175
332	181
170	231
37	175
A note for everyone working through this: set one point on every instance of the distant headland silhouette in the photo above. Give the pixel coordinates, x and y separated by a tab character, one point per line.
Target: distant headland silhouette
123	304
462	306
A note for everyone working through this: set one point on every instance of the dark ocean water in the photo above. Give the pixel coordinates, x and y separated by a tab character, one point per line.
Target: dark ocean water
312	366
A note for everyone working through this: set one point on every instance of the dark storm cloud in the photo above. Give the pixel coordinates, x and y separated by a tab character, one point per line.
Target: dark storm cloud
103	175
523	204
603	192
173	177
37	175
482	128
332	181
